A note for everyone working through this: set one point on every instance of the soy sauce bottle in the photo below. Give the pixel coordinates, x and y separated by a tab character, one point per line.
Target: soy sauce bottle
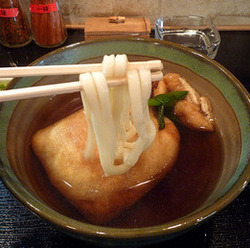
14	27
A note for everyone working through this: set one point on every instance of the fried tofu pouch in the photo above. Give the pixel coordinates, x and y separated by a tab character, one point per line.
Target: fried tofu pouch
60	148
194	111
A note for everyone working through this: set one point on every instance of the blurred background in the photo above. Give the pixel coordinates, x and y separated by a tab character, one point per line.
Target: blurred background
225	14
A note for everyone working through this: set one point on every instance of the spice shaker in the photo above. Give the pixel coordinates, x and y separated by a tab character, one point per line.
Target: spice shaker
47	24
14	27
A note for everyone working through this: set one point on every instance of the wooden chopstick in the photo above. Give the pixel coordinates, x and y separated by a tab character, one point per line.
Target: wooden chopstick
46	70
55	89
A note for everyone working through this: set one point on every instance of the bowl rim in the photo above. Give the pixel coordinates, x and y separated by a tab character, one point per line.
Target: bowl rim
178	225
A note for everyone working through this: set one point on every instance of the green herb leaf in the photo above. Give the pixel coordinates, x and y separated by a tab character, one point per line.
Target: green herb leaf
161	121
168	99
165	103
152	102
2	86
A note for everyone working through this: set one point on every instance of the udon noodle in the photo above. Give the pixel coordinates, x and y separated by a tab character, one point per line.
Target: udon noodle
118	118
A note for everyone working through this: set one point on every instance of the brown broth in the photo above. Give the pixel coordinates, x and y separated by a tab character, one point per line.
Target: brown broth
185	188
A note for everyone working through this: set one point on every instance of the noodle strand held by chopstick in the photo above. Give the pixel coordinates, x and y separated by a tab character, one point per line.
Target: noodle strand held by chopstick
121	62
106	140
146	86
108	65
90	143
137	117
119	116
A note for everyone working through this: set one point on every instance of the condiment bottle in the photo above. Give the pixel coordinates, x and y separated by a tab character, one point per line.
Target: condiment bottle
14	27
47	23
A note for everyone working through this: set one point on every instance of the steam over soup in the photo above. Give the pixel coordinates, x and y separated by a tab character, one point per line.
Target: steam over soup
120	168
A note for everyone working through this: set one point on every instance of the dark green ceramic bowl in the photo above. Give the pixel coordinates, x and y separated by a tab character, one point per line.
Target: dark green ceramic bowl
231	105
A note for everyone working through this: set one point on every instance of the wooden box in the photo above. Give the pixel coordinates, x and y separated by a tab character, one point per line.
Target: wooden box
104	27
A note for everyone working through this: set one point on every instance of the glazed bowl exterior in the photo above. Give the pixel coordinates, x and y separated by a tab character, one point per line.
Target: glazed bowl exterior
210	78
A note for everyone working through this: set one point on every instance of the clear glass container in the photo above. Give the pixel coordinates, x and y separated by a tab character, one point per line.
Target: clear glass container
47	23
14	27
196	32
